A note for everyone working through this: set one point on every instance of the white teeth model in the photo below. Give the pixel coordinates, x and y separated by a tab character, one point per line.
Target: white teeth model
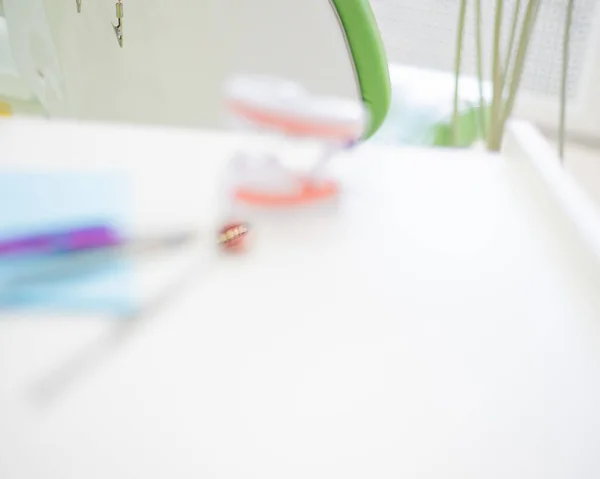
265	174
284	108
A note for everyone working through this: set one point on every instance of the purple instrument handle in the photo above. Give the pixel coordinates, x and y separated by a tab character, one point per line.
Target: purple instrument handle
65	241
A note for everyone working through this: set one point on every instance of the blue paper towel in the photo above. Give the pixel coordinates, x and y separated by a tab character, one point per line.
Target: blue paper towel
37	201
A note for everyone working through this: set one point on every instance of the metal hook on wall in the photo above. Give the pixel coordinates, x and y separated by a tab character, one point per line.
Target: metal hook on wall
119	26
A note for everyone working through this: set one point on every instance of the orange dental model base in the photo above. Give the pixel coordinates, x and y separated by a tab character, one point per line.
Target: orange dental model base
309	192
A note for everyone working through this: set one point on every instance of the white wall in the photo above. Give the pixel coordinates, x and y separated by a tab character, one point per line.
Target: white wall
176	54
11	83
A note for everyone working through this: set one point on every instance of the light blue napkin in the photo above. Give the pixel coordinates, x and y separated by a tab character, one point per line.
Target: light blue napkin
33	202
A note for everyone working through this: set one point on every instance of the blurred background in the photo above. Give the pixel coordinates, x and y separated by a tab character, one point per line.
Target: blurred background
57	62
299	238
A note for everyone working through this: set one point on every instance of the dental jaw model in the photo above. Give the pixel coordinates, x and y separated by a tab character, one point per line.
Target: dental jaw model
259	178
286	110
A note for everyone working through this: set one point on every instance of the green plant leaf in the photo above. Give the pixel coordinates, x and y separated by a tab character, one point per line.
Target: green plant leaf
468	128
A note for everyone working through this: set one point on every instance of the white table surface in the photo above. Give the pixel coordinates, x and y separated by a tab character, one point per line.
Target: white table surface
443	323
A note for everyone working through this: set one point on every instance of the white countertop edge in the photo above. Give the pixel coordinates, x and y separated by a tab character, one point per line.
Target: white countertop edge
524	141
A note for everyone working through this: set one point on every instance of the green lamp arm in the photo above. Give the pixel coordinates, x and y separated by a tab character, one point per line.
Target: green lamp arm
370	60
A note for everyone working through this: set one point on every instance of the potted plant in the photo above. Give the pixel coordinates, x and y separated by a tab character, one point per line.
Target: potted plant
487	120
